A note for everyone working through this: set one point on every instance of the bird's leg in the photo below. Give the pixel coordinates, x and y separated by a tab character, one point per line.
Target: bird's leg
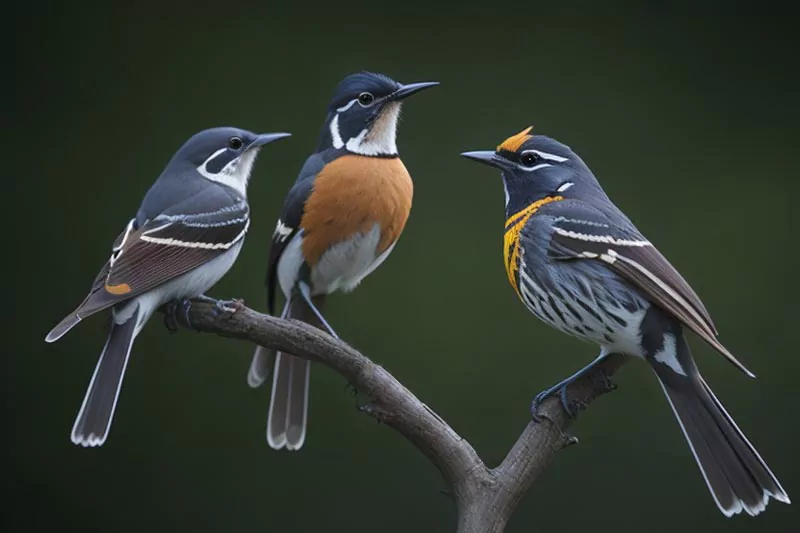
561	390
171	314
305	292
222	306
170	320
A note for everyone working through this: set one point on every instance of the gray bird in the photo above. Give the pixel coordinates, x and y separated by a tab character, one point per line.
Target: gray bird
581	266
184	238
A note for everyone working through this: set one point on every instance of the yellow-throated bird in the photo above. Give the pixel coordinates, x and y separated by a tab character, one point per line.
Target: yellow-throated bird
581	266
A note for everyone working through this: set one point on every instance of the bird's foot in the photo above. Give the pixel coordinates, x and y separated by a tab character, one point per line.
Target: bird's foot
601	382
561	390
229	307
170	321
568	440
223	307
572	406
171	315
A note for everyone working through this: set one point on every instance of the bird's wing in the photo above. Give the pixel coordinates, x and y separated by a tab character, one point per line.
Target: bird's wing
161	249
286	229
583	232
288	225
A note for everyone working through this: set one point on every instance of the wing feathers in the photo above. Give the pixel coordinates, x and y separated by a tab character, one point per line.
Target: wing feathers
162	249
286	228
584	232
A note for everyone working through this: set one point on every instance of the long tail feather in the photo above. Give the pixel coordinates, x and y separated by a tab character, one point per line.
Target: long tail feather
736	475
61	329
93	422
263	360
288	410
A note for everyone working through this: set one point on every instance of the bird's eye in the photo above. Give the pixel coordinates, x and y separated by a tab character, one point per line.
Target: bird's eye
529	159
235	143
366	99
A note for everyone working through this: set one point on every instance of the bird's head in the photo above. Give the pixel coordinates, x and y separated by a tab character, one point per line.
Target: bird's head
224	155
535	167
362	116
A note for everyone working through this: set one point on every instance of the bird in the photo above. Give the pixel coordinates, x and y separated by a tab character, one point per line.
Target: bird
340	221
580	265
186	234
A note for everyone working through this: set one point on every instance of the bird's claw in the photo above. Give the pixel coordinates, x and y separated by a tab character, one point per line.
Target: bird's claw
170	322
599	378
537	401
570	407
568	440
223	307
228	307
171	315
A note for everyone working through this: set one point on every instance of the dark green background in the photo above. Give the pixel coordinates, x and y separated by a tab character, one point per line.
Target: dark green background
688	118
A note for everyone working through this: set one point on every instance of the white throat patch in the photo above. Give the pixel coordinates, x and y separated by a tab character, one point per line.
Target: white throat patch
380	139
236	173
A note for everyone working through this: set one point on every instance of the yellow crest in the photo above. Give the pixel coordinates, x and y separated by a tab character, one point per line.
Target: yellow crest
513	143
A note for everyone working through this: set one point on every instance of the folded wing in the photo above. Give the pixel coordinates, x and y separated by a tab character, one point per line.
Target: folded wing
162	249
582	232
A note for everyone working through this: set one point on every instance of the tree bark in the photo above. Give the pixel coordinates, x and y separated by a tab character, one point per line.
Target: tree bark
485	497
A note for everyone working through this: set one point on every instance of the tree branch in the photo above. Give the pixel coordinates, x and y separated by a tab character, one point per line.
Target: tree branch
485	498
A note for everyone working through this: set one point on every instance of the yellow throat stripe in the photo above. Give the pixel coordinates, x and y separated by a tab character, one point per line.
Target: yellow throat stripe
514	226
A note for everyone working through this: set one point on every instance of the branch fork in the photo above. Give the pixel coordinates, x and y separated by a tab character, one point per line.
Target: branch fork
485	497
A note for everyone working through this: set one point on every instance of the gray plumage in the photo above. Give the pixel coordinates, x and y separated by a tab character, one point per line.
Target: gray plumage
185	236
581	266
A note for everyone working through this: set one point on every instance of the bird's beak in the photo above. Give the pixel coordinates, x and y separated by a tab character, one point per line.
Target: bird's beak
266	138
488	158
407	90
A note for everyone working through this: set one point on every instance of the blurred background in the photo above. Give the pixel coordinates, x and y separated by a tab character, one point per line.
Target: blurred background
688	118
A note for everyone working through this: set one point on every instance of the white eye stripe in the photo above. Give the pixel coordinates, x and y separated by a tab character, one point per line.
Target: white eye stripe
347	106
551	157
537	167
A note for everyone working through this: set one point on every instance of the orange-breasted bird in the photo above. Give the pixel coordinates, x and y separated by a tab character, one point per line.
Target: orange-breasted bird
340	221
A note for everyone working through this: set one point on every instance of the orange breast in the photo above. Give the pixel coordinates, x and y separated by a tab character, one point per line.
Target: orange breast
352	194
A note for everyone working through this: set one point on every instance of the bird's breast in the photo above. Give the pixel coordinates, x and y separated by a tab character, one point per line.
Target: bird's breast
352	195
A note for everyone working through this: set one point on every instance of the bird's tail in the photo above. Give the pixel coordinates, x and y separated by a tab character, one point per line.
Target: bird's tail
97	411
735	473
263	360
288	409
